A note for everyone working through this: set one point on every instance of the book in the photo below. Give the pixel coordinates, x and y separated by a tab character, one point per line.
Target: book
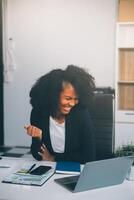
67	167
25	177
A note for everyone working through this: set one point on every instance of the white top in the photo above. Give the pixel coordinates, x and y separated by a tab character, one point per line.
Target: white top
57	135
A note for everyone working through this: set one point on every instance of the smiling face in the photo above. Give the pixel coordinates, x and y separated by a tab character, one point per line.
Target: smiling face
68	99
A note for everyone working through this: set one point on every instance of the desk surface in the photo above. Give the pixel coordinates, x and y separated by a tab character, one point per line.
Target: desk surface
52	191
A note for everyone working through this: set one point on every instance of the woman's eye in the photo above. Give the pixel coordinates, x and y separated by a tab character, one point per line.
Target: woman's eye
68	98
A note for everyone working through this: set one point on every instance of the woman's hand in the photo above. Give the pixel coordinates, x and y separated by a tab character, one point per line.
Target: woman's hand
33	131
44	153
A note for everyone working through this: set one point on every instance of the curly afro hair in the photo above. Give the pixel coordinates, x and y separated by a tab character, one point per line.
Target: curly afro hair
46	91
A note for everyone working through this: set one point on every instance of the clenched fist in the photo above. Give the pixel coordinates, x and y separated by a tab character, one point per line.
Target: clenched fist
33	131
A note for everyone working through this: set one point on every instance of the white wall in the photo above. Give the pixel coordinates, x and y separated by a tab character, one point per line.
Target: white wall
124	135
49	34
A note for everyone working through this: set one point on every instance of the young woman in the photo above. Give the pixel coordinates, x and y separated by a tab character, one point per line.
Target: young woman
61	126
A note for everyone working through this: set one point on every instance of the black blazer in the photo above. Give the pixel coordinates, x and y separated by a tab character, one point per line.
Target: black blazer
79	136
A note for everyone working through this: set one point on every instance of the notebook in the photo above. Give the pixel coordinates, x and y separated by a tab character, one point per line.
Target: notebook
68	167
98	174
36	177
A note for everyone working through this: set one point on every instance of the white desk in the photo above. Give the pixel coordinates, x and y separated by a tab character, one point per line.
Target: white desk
52	191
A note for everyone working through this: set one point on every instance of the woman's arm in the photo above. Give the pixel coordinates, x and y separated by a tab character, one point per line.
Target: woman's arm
36	141
38	148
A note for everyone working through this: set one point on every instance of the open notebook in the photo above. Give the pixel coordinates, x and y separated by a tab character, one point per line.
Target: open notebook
38	176
98	174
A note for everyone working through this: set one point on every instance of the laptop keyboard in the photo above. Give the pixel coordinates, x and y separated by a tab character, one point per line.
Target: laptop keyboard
70	179
69	182
71	186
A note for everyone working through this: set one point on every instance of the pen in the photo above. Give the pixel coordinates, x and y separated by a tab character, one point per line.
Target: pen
4	166
31	168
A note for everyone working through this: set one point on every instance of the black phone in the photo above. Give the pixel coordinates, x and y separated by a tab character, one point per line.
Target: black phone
40	170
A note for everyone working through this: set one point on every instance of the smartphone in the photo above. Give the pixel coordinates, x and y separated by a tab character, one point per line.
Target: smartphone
40	170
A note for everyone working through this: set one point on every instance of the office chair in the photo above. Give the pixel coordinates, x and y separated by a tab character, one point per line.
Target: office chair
103	120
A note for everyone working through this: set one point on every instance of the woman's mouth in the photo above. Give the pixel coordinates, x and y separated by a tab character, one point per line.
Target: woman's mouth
66	109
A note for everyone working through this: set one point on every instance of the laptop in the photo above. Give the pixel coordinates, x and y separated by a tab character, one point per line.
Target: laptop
98	174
